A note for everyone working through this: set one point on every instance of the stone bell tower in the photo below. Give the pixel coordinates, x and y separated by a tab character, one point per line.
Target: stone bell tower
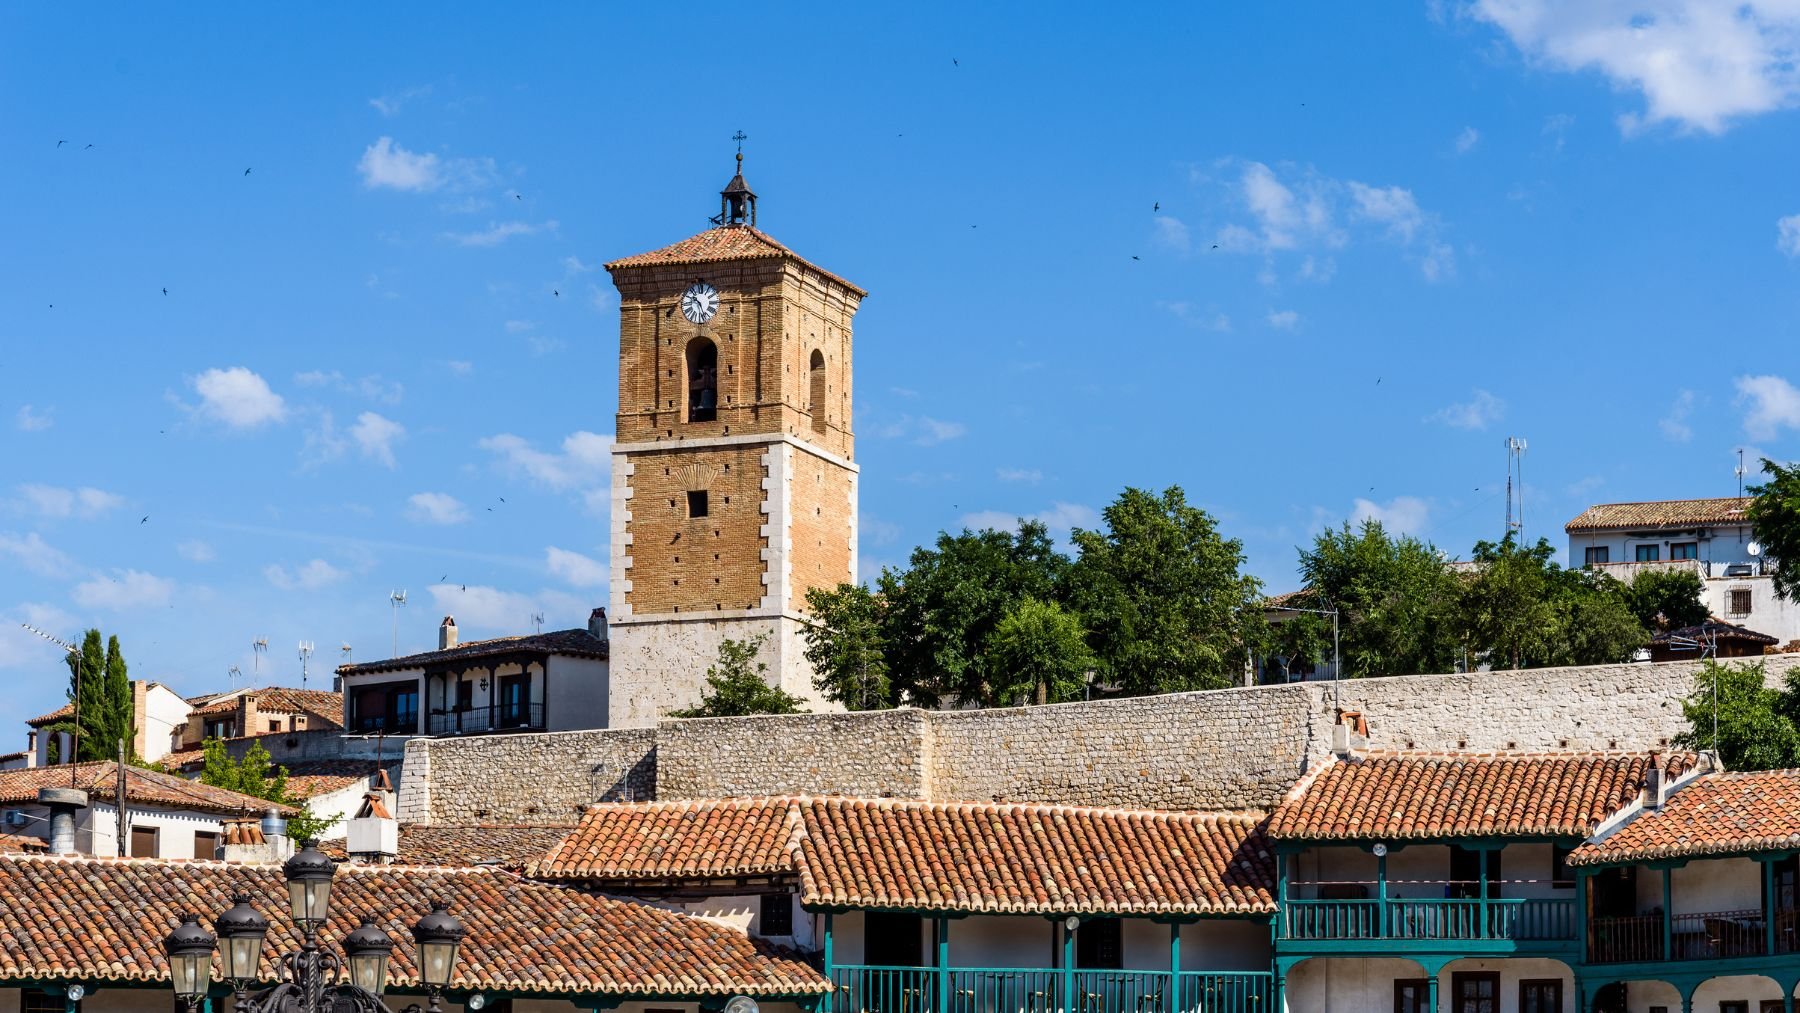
733	475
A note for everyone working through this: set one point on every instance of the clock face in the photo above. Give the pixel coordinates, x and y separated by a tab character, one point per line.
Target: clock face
699	303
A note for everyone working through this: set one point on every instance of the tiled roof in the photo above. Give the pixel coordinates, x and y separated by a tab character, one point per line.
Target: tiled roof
1718	814
523	936
142	787
724	243
280	699
1429	795
182	758
305	786
65	711
577	643
937	856
652	840
1666	513
14	844
508	847
1718	631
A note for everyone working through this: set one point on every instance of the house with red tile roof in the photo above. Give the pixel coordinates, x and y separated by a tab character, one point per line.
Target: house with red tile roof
1415	881
976	905
167	816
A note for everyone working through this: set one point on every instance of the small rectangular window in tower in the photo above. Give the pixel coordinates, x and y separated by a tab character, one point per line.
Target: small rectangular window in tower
697	503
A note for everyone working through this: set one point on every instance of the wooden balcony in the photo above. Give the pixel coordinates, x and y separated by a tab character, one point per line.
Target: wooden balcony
1712	935
1504	924
863	988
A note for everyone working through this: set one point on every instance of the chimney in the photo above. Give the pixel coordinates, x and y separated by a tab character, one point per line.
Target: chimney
447	633
372	836
1656	789
1349	735
31	754
244	841
63	804
597	623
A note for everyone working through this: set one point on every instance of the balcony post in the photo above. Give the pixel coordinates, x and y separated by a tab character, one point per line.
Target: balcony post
1174	993
1581	929
1068	970
1768	892
940	931
1431	990
1481	881
1381	907
1668	917
826	957
1281	895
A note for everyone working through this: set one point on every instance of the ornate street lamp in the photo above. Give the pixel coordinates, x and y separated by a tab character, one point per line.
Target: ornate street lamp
314	978
190	951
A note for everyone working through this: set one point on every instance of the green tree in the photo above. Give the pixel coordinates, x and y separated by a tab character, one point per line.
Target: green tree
1396	600
1678	597
846	644
258	776
1756	724
1041	653
737	684
1164	597
942	608
1522	610
100	689
1595	624
1774	516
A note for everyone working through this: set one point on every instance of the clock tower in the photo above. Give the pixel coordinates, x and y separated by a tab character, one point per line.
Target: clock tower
733	471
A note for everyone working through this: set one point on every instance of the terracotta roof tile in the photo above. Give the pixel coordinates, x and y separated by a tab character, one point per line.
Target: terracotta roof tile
1716	630
1667	513
508	847
1426	795
1718	814
576	642
936	856
65	711
523	936
724	243
13	844
142	787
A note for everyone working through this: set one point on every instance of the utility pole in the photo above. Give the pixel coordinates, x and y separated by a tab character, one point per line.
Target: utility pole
124	816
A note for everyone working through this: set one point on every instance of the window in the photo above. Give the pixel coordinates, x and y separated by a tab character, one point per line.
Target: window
1475	992
1097	944
143	842
222	729
1540	995
1786	880
703	380
1465	871
1740	1006
892	939
1648	553
1412	995
465	695
1684	550
206	843
1598	554
33	1001
697	503
390	707
1740	601
777	915
274	726
815	400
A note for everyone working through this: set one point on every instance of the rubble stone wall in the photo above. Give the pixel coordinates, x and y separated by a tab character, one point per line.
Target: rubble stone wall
543	777
871	753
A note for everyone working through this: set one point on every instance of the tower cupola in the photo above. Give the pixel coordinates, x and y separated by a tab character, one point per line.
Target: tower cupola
737	202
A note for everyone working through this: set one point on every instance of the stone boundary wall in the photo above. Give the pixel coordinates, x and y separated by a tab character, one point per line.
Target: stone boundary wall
871	753
543	777
1221	749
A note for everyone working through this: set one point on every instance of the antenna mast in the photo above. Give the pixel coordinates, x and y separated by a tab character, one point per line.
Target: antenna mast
258	647
537	621
306	651
398	598
1515	468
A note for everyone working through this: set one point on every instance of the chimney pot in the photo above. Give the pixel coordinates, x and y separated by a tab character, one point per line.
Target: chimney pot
447	633
597	623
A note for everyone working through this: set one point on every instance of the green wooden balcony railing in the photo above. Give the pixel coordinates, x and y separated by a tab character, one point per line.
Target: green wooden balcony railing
1495	918
862	988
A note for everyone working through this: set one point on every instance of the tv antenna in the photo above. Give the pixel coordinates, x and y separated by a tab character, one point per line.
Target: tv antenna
306	651
537	621
232	675
344	649
398	598
1515	468
1739	472
258	648
74	656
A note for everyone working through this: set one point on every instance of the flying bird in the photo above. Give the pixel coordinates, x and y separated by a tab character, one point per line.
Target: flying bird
954	62
61	143
246	172
165	291
146	519
518	196
84	149
1215	246
1156	207
1135	257
556	293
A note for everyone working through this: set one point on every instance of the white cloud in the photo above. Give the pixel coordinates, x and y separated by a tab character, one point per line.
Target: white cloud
1401	515
499	232
921	429
518	326
386	164
586	459
1674	425
478	606
1202	319
1283	320
461	367
1482	409
1466	141
373	386
323	443
575	569
1302	212
573	265
390	105
31	421
311	576
872	530
1699	64
376	436
1773	405
1787	235
1058	517
436	508
196	551
1031	475
1172	232
55	501
34	554
238	397
128	589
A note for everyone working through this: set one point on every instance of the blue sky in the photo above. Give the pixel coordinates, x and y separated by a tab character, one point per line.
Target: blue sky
1307	264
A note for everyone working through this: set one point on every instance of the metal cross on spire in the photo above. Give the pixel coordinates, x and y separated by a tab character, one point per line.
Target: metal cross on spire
740	137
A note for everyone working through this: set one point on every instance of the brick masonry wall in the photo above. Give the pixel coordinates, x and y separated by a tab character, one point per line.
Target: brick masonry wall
696	564
1224	749
821	525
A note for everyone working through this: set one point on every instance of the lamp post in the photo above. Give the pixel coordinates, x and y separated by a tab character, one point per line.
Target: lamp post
314	978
